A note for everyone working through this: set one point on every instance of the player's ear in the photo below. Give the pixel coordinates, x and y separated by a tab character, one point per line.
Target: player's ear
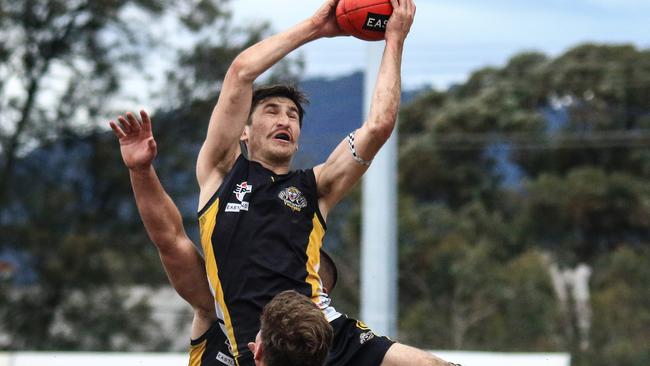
259	352
251	347
244	134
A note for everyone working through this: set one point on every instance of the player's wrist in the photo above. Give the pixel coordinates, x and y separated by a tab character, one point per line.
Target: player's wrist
141	169
396	42
313	29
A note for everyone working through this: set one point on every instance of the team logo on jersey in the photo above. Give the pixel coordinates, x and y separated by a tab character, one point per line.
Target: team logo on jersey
293	198
361	325
240	192
367	333
365	337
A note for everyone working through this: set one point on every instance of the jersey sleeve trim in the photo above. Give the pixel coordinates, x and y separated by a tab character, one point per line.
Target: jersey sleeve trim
221	187
312	182
214	327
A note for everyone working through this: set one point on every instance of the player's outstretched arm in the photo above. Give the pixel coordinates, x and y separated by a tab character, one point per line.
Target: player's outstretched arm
351	158
221	146
162	220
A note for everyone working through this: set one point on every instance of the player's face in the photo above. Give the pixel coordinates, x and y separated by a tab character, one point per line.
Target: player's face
274	131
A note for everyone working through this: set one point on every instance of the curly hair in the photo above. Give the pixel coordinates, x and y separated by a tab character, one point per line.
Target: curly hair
294	331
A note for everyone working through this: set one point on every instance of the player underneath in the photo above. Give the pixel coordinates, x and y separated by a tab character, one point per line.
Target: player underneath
185	270
293	333
261	224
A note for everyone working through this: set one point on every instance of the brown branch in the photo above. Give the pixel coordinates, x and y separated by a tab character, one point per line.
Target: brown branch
7	168
10	152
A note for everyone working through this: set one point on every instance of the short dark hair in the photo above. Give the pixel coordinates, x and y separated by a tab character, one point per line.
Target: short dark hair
297	96
294	331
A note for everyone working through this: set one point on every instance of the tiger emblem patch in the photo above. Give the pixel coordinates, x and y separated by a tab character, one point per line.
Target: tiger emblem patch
293	198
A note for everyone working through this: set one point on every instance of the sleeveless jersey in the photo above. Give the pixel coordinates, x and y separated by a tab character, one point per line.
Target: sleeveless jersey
211	349
261	234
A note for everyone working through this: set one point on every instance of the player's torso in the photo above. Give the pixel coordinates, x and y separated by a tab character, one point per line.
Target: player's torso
261	234
266	223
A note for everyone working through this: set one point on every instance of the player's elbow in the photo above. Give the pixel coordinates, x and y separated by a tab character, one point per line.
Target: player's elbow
165	244
167	241
242	70
381	128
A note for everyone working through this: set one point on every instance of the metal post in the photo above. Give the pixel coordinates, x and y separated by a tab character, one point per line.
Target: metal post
379	224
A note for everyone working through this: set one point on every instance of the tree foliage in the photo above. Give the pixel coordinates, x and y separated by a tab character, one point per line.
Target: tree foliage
540	162
67	216
57	68
543	161
621	308
72	224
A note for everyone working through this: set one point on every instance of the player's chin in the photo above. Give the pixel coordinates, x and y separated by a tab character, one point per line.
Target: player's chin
284	151
279	144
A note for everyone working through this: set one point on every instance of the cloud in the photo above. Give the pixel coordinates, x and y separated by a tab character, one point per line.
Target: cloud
452	37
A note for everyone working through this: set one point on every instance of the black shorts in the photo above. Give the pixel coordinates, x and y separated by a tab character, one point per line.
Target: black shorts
355	344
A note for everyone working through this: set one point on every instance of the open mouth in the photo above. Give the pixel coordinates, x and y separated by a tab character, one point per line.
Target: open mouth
282	136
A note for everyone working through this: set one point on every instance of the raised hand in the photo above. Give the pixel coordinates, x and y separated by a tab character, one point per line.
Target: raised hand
399	23
325	20
137	145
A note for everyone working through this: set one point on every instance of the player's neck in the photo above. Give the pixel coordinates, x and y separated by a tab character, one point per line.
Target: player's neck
277	168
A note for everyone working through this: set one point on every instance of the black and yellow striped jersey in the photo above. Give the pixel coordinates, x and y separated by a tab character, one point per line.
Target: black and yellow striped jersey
211	349
261	234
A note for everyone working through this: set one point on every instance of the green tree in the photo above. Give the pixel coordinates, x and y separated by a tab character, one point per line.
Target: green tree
70	219
463	288
621	306
586	213
82	248
597	99
541	162
57	68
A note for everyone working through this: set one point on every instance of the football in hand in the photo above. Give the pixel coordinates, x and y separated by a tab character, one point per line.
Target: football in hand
364	19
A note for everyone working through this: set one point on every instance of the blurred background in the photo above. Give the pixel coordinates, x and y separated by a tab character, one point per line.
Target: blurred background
524	168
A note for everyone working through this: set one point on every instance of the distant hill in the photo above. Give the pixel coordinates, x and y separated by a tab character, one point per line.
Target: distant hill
72	161
336	109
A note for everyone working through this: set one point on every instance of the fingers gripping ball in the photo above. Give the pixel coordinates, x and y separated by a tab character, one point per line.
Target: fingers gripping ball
364	19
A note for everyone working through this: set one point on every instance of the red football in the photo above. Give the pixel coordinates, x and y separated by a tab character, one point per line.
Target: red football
364	19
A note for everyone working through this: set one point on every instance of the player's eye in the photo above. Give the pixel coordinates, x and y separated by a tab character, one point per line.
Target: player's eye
271	110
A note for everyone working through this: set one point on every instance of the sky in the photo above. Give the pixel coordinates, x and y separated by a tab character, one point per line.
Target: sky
451	38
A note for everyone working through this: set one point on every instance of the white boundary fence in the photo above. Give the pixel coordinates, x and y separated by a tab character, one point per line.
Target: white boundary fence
180	359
